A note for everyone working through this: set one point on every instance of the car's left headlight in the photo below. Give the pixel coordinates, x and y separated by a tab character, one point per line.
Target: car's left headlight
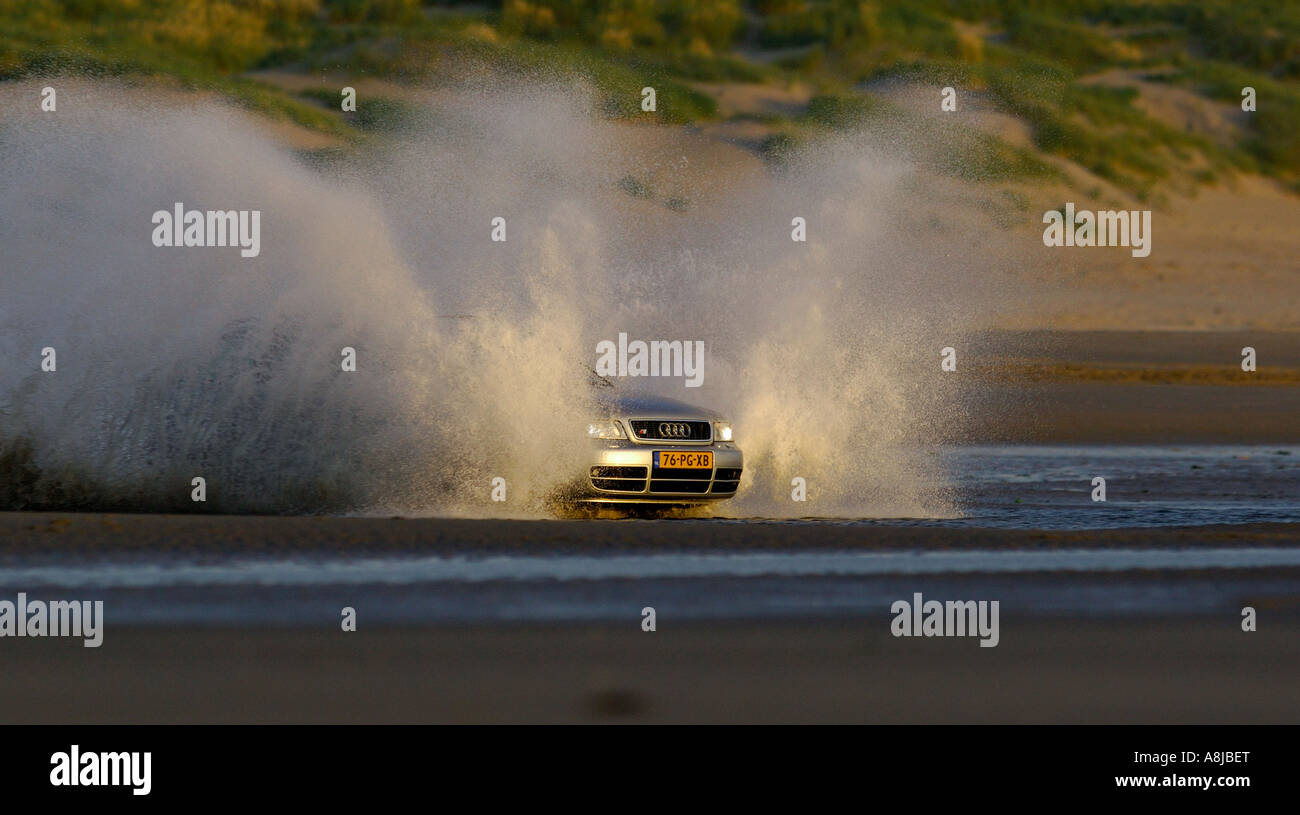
722	431
605	429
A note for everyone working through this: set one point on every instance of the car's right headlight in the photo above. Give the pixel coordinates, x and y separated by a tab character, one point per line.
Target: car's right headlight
722	431
606	429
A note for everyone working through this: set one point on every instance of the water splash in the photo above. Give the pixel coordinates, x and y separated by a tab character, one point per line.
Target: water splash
175	363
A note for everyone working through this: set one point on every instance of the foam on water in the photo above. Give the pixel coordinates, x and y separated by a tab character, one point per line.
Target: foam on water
407	571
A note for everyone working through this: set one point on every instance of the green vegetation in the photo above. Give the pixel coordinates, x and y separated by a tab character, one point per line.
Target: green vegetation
1071	69
377	113
839	110
635	187
957	151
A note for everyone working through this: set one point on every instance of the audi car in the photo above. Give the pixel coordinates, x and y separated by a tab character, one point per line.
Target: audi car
653	450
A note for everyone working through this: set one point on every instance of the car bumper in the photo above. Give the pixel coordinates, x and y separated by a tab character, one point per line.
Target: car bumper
624	472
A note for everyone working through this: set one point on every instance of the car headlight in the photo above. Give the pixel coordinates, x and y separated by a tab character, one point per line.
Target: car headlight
722	431
607	429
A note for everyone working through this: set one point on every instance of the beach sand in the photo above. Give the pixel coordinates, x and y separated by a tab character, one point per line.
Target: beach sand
1044	671
1047	667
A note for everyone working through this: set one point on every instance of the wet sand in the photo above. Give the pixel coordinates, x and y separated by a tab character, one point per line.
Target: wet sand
1064	668
27	534
1150	671
1132	413
1130	387
1121	668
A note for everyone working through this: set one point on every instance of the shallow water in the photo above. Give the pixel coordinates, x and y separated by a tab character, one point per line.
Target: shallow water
398	571
1050	487
1001	486
312	590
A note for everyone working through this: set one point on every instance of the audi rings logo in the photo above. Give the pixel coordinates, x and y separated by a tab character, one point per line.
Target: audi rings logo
674	430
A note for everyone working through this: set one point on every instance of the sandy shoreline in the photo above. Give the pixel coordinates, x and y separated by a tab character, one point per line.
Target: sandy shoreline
1085	668
1131	387
1043	671
1132	413
27	534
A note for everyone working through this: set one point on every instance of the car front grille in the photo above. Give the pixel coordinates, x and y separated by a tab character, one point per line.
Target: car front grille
618	479
689	481
680	479
726	481
671	430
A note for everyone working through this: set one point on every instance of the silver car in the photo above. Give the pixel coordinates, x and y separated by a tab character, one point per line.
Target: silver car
652	450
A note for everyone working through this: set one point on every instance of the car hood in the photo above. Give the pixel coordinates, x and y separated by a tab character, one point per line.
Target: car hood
650	406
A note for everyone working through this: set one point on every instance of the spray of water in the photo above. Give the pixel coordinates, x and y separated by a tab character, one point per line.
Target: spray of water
176	363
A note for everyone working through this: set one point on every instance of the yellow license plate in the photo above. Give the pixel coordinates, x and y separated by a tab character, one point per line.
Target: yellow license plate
676	460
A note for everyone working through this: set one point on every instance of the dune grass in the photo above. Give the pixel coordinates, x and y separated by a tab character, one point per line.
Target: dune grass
1033	58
